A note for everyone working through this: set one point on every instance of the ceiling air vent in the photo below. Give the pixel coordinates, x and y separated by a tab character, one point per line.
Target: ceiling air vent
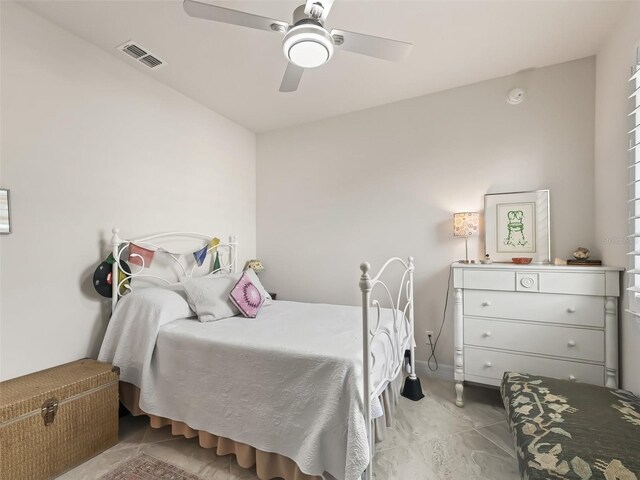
134	50
151	61
141	54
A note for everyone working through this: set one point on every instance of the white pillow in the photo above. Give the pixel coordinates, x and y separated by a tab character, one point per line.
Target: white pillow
254	279
209	296
170	301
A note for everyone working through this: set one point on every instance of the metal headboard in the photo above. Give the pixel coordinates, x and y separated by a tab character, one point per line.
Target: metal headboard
184	260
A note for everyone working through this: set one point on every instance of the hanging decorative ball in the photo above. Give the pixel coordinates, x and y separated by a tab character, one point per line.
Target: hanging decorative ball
102	277
581	253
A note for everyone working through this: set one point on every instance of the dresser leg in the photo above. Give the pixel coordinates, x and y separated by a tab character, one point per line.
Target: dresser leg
611	336
458	344
459	390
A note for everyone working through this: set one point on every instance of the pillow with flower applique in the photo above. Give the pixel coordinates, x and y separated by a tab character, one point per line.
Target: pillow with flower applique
247	296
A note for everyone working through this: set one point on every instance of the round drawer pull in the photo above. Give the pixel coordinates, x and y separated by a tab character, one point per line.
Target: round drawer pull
486	303
572	378
486	334
571	310
572	343
488	364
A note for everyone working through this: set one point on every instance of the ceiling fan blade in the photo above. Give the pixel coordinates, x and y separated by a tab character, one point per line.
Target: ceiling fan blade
291	79
234	17
372	46
325	4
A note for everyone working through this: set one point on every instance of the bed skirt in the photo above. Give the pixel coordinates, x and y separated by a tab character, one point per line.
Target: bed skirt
268	465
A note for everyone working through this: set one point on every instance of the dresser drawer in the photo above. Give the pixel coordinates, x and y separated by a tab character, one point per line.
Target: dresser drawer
572	283
541	307
489	279
574	343
492	365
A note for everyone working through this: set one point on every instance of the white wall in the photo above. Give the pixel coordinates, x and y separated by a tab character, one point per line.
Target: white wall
386	181
611	142
89	143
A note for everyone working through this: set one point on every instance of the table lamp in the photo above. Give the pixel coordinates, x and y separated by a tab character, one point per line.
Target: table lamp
466	224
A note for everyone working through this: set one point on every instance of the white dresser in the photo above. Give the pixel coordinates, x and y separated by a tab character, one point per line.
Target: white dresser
557	321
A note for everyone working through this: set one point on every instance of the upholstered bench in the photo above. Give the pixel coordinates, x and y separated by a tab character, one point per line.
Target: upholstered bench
564	429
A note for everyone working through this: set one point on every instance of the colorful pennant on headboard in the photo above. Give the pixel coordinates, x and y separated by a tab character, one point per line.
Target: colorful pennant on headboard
200	255
140	256
216	262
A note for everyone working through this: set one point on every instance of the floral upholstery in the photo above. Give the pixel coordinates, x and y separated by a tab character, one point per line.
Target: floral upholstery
569	430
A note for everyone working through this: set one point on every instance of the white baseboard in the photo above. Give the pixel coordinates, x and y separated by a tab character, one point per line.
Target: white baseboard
444	372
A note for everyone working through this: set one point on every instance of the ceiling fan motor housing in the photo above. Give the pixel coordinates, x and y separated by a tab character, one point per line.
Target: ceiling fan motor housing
299	15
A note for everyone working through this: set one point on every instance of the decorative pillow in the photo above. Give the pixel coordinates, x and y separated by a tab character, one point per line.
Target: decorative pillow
256	281
247	296
209	296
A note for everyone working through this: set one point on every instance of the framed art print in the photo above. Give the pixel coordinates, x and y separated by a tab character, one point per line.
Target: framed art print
517	224
5	212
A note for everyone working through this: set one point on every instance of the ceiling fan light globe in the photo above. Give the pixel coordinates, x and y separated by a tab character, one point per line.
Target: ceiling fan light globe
308	46
308	54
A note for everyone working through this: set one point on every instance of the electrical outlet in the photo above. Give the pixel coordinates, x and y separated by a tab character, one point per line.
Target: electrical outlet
429	333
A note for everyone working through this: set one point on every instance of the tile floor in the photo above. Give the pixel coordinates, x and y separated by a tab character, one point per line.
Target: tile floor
430	440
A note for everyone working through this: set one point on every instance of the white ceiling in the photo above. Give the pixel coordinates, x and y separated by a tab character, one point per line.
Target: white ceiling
236	71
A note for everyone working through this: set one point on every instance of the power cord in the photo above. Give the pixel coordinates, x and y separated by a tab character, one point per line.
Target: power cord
433	345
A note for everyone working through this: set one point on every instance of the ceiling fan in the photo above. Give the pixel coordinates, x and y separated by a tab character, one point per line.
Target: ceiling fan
306	43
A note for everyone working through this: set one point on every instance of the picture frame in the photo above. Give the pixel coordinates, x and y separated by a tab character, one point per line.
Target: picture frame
5	212
518	224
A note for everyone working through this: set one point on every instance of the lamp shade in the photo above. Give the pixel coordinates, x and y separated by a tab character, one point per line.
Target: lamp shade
466	224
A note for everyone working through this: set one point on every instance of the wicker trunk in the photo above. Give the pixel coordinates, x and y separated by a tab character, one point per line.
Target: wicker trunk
53	420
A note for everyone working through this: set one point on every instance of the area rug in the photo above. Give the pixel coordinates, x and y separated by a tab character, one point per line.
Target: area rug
145	467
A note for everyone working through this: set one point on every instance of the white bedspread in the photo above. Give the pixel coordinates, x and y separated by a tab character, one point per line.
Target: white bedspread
288	381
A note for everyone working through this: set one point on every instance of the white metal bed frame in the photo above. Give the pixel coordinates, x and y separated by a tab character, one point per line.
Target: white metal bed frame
400	304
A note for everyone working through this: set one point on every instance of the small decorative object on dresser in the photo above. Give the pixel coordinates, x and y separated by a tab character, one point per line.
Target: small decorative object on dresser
53	420
517	223
581	257
557	321
522	260
588	262
581	253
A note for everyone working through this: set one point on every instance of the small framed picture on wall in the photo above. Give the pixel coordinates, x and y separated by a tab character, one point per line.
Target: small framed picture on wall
517	224
5	212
